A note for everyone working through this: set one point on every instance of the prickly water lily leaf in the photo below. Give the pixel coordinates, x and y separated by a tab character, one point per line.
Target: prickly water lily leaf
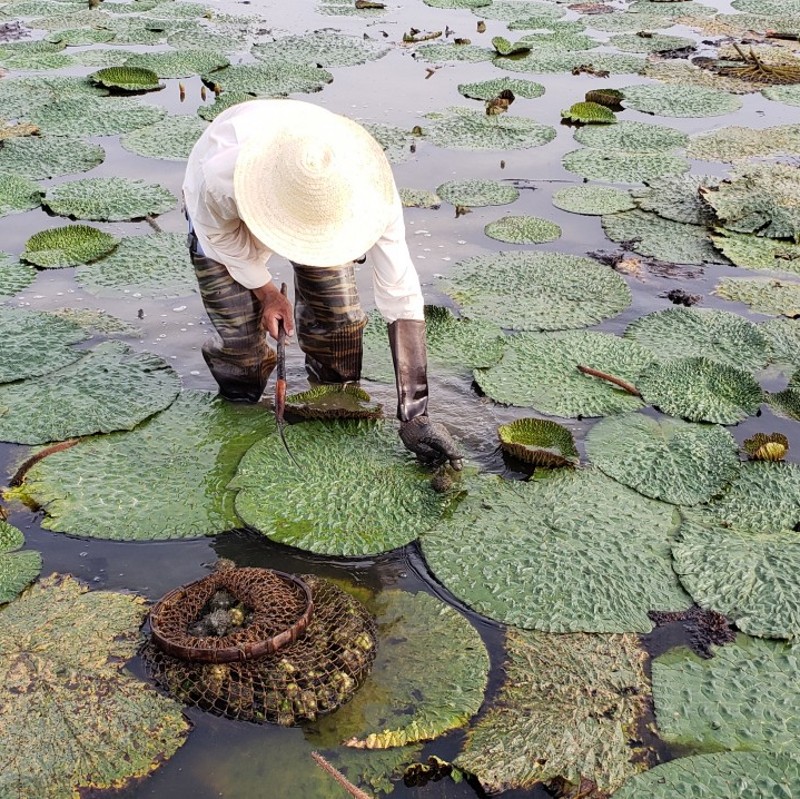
662	238
400	703
539	442
575	551
523	230
703	73
776	297
470	53
518	9
81	37
19	97
537	290
723	775
222	103
178	64
267	81
540	370
750	577
568	707
731	701
67	246
701	390
396	142
327	48
157	265
593	200
95	116
680	100
171	138
555	59
589	114
654	43
419	198
637	137
666	459
18	194
621	166
126	78
35	343
457	3
488	89
17	569
477	193
319	510
67	695
468	129
783	94
506	47
31	59
109	199
110	388
96	321
107	57
767	7
762	199
737	143
14	276
194	447
38	157
673	9
693	332
624	22
677	197
347	401
784	340
757	252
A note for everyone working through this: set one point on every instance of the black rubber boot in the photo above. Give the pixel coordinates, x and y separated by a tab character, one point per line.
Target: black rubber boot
409	354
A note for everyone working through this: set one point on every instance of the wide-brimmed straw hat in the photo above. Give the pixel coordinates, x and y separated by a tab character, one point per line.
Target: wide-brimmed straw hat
316	187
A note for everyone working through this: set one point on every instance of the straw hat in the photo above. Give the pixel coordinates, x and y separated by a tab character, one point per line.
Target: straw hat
316	188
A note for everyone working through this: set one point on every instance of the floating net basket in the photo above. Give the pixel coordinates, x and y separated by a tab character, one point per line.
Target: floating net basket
306	676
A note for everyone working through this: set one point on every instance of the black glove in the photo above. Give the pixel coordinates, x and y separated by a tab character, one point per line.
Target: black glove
430	442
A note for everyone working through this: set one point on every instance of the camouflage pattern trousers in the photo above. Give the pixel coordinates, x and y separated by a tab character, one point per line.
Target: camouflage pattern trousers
328	318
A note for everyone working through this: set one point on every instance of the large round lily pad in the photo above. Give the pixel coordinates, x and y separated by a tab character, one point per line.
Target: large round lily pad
680	100
477	193
109	388
127	78
110	199
18	194
327	48
701	390
67	695
568	707
322	507
677	197
540	370
488	89
468	129
180	63
575	551
95	116
17	569
776	297
469	53
267	81
171	138
509	10
666	459
35	343
783	94
784	338
653	43
638	137
537	290
623	166
735	143
67	246
14	276
189	451
20	96
523	230
758	252
38	157
593	200
691	332
555	59
398	144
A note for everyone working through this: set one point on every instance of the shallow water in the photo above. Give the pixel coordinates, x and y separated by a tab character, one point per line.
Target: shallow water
231	759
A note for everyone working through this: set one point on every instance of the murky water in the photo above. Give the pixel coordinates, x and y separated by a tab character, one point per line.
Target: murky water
230	759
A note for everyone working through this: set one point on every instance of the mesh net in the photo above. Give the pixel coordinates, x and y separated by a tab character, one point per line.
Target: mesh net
307	678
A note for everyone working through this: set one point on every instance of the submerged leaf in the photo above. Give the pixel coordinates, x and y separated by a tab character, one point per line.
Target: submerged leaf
347	401
14	276
17	569
67	246
757	252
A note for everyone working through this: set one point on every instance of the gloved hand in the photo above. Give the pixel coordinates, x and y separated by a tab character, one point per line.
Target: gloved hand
430	442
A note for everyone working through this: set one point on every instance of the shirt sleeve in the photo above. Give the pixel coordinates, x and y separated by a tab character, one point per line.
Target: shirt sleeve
397	290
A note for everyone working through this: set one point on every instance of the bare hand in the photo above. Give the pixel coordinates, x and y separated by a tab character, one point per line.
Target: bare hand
274	308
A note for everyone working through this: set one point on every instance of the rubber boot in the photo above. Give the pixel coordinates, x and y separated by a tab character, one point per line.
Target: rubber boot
409	354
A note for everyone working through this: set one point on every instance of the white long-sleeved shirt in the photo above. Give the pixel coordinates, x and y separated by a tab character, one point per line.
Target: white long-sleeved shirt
211	205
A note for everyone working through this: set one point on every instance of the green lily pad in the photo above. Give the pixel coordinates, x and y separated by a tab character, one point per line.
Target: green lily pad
21	96
558	37
17	569
193	447
572	552
677	198
783	336
96	321
419	198
637	137
110	199
620	166
652	43
222	103
327	48
751	577
106	57
537	290
701	390
98	728
178	64
681	73
737	143
110	388
14	276
35	343
67	246
593	200
556	59
457	3
33	58
539	442
662	238
468	129
776	297
692	332
334	402
396	142
470	53
95	116
757	252
671	9
487	89
623	22
523	230
156	265
477	193
570	715
783	94
267	81
127	78
505	47
81	37
589	114
319	510
724	775
171	138
18	194
505	11
665	459
680	100
38	157
539	370
767	7
731	701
